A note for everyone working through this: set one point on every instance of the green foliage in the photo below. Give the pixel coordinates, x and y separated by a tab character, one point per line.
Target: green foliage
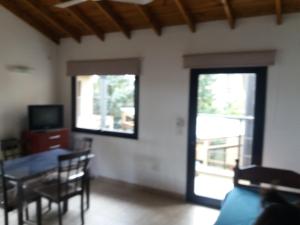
206	95
120	93
96	98
232	108
206	98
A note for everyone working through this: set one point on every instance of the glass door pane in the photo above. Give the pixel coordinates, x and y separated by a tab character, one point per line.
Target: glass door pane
224	130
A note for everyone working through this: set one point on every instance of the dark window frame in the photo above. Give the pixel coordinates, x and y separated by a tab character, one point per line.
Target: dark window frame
134	135
258	136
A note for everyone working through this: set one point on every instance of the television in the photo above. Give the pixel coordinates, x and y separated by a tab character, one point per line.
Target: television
45	117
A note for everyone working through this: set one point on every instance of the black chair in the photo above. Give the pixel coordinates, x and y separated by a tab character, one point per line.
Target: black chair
79	145
8	197
11	148
85	144
71	178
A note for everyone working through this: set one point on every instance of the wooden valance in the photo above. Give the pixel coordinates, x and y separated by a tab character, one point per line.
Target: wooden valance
230	59
104	67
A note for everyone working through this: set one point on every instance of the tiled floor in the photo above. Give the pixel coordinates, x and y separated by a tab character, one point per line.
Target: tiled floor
122	205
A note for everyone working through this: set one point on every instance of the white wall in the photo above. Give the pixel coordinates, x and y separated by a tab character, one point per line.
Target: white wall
22	45
158	157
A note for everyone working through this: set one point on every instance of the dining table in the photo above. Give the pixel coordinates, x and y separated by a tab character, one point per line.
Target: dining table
30	167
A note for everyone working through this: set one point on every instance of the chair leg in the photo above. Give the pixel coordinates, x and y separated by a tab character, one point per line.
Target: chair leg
39	211
27	213
88	194
5	217
65	206
59	214
82	207
49	205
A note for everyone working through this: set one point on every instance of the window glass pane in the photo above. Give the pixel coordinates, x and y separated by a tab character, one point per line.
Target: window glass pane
120	103
106	103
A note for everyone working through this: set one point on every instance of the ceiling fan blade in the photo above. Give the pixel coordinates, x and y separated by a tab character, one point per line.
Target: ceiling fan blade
70	3
67	4
138	2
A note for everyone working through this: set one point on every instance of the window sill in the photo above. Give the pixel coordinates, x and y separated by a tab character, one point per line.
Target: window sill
106	133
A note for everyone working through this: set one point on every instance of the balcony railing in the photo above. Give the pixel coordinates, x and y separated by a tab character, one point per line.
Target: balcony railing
219	152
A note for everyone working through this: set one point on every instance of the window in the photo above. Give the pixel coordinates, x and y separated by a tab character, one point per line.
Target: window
106	105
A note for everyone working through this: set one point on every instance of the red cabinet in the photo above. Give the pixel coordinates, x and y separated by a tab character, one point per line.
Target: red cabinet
40	141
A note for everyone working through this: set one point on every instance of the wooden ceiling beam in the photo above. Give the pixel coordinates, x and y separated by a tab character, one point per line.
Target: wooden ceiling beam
149	18
278	9
80	16
186	15
228	12
45	13
106	9
15	9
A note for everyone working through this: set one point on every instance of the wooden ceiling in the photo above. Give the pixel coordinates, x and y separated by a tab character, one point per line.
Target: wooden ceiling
99	18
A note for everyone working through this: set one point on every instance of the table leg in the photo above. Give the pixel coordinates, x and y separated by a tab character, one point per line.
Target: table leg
20	202
39	211
65	206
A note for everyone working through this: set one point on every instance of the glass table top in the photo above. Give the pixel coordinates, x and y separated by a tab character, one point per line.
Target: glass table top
33	165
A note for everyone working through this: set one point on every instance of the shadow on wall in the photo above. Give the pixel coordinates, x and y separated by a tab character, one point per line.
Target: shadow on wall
146	169
12	124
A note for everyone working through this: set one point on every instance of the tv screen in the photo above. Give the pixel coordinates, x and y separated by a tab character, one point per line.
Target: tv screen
43	117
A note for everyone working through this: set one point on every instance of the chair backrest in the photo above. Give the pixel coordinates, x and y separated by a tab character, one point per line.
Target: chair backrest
258	175
72	172
3	188
11	148
83	144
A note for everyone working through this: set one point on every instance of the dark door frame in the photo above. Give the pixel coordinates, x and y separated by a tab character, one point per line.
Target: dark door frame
258	136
